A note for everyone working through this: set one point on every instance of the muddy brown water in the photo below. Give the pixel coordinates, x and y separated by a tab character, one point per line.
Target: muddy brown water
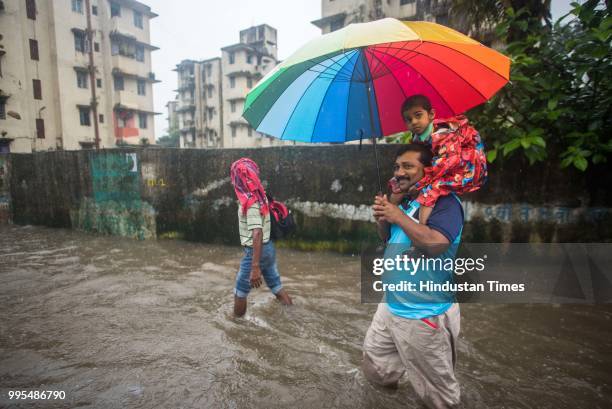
121	323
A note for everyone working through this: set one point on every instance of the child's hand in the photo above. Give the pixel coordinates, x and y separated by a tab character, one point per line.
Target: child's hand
255	276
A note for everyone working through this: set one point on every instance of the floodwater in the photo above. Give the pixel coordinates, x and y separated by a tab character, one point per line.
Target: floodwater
120	323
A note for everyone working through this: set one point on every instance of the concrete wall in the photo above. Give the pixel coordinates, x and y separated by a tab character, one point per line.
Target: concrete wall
187	194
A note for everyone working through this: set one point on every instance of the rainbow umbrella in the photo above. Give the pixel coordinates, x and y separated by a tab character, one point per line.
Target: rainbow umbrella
350	84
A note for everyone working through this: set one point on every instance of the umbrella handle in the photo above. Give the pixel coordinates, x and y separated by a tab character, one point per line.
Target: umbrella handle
380	191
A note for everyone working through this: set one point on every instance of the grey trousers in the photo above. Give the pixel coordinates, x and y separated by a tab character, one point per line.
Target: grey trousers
394	345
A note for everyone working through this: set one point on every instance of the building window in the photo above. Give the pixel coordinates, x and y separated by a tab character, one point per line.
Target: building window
249	58
142	121
122	121
118	82
233	106
31	9
37	89
232	58
81	79
250	131
101	118
94	10
139	53
34	49
77	6
115	9
99	82
114	47
2	108
249	83
141	87
84	116
233	131
404	2
210	91
97	47
138	19
40	128
80	41
232	82
208	70
211	112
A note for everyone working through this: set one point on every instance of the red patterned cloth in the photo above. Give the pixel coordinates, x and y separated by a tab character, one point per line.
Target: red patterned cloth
278	210
459	164
244	174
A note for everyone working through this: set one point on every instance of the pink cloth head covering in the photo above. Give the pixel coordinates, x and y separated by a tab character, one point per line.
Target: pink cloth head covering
245	179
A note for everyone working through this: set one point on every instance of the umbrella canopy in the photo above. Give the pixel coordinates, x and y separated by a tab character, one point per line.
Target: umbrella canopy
350	84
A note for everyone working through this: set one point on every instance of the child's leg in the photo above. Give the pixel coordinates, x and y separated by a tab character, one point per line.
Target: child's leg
270	273
427	198
424	212
240	306
243	283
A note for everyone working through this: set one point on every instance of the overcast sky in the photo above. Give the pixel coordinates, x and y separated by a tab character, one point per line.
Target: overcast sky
197	29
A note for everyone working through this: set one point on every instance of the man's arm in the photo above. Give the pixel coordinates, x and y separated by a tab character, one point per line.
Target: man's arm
422	236
382	226
430	241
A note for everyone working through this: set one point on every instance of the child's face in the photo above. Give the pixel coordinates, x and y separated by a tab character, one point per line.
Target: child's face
417	119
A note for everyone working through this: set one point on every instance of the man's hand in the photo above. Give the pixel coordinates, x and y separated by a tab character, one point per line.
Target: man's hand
386	211
255	276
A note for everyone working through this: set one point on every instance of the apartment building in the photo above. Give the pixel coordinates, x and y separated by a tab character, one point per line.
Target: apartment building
199	103
75	74
171	106
211	93
336	14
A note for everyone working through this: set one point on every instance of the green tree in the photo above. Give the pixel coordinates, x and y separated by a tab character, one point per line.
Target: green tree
171	139
558	102
478	18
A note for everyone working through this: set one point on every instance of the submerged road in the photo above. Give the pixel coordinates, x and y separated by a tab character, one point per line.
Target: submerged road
119	323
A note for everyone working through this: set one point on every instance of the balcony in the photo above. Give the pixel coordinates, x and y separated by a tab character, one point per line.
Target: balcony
126	132
186	107
251	73
188	129
120	27
131	65
134	101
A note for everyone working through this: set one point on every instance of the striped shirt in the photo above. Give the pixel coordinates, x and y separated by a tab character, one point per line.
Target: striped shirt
252	220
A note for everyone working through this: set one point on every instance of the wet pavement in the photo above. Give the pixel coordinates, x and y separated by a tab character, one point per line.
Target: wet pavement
119	323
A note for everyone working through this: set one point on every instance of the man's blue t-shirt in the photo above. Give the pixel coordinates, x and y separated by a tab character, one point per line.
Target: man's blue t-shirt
447	218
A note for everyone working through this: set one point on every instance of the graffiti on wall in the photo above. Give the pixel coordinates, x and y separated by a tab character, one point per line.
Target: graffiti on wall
115	177
504	212
149	175
116	207
525	213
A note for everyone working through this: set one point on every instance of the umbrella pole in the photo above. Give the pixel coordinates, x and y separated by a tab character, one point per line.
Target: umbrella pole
371	115
380	191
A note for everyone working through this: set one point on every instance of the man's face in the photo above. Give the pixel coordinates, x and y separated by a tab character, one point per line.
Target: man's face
408	170
417	119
